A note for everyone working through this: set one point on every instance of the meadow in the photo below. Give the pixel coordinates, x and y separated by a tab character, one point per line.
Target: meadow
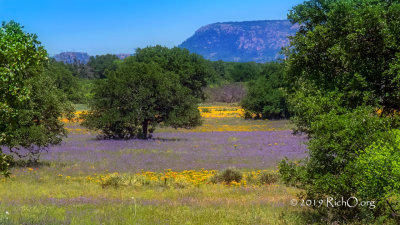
164	180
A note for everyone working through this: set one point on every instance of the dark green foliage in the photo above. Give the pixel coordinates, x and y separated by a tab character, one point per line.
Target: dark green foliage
350	47
101	64
193	71
80	70
265	95
38	119
219	68
65	81
291	173
137	97
30	105
242	72
227	176
342	66
336	139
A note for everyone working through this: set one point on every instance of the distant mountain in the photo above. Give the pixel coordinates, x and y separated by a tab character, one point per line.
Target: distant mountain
71	57
258	41
80	57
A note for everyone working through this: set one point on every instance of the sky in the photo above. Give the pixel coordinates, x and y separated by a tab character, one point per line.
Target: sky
120	26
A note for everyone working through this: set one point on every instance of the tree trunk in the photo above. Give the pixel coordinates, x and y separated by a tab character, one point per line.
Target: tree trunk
145	126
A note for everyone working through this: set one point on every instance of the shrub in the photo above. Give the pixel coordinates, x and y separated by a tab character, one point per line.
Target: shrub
268	177
336	141
113	180
227	176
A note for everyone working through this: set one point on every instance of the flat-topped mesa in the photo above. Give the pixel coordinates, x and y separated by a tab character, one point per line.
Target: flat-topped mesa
258	41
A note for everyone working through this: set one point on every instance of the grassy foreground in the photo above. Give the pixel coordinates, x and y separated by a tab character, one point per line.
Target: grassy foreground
39	197
89	181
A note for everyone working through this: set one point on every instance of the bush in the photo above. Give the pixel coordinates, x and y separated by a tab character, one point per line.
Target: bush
334	147
227	176
113	180
378	174
268	177
291	173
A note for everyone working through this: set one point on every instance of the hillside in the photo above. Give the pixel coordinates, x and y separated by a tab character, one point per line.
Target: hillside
258	41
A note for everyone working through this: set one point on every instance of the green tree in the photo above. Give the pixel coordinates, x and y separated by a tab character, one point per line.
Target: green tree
242	72
265	95
132	101
192	69
350	47
29	112
342	66
81	70
65	81
100	64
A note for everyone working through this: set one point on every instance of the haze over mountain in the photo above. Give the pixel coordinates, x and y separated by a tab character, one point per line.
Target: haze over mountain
258	41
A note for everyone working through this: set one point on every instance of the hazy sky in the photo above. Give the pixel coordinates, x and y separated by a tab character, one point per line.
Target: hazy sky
120	26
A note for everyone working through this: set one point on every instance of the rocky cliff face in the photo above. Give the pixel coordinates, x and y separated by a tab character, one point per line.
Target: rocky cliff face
258	41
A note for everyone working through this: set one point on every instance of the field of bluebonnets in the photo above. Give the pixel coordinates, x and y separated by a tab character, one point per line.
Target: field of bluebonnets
170	179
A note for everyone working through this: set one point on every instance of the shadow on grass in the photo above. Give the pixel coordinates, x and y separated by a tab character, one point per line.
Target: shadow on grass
169	139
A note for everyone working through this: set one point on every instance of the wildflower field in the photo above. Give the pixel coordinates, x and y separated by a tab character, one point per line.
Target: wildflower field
177	177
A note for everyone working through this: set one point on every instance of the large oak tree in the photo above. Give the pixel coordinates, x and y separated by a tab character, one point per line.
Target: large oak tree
139	95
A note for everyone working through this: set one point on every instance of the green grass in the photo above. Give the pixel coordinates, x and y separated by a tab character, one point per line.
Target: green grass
41	197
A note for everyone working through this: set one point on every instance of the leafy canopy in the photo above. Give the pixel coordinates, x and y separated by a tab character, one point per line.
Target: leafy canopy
65	81
192	69
100	64
265	95
137	97
29	112
342	66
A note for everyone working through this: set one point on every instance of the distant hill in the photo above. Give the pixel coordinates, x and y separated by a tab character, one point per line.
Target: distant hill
71	57
80	57
258	41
